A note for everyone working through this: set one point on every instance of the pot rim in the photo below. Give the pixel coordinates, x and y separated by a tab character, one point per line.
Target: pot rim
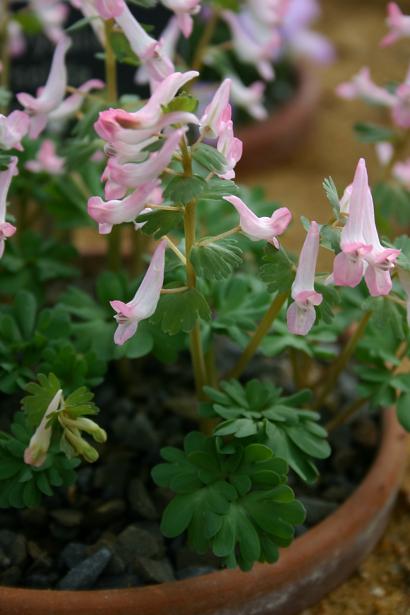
377	491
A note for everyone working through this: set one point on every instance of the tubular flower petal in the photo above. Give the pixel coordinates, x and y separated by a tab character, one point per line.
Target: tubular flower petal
6	229
231	148
108	213
36	452
132	175
249	98
110	9
398	23
362	252
12	129
270	12
215	114
73	103
52	15
251	44
168	40
46	160
150	51
361	86
301	314
267	229
149	115
51	95
143	305
184	9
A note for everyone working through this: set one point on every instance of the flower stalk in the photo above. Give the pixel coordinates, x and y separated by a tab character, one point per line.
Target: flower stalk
263	329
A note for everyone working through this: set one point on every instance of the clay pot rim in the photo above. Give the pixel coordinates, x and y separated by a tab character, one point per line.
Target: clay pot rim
330	534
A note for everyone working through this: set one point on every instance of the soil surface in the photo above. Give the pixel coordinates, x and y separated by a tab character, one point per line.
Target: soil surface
103	532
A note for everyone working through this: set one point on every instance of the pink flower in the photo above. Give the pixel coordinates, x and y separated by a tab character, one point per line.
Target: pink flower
217	112
110	9
12	130
401	109
362	252
266	229
69	107
398	23
301	314
132	175
270	12
36	452
183	9
16	40
168	41
108	213
251	44
231	148
143	305
46	160
148	50
249	97
6	229
52	15
361	86
401	172
149	115
52	94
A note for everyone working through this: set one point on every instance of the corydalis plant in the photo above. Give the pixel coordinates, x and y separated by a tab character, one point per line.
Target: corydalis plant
390	139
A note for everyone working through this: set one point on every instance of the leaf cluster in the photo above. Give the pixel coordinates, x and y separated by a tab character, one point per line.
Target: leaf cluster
235	504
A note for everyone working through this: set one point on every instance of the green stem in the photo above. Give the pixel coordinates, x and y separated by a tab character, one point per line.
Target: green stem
110	64
206	38
209	240
344	416
262	329
4	51
114	249
343	359
197	353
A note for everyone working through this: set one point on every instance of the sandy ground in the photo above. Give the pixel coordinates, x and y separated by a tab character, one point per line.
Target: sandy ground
382	585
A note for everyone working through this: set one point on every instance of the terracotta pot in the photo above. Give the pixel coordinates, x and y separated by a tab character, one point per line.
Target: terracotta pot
276	139
316	562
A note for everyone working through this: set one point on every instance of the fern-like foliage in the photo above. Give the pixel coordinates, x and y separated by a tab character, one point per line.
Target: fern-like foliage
258	412
235	504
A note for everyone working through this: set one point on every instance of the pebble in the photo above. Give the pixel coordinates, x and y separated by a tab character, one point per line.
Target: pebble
85	574
36	517
378	591
136	541
14	546
72	554
68	517
140	501
154	571
107	512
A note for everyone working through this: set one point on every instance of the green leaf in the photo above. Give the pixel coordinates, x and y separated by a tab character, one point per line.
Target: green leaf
180	311
330	189
373	133
278	272
216	260
209	158
258	413
403	410
182	102
182	190
39	397
160	223
236	504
